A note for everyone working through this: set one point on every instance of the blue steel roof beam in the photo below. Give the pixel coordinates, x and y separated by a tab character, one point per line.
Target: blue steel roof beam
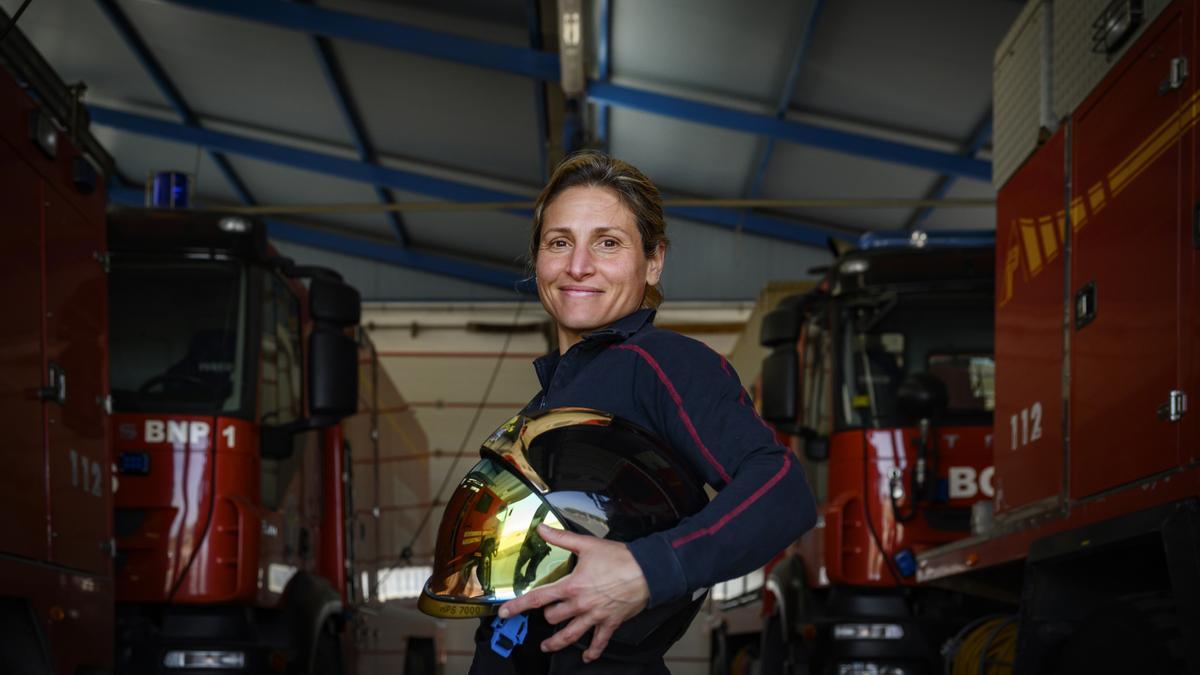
166	86
767	146
603	67
366	249
440	188
801	133
334	75
980	137
542	65
330	23
539	88
307	160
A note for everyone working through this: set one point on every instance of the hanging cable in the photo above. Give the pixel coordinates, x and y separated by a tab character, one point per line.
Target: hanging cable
406	553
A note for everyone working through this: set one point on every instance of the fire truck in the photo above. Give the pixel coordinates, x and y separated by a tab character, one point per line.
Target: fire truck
1082	550
239	542
882	378
56	585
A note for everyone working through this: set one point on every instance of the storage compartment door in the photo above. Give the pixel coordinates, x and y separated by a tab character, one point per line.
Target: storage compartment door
1128	213
22	454
77	315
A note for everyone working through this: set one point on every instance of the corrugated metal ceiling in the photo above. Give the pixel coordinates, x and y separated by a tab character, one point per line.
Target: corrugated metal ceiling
917	73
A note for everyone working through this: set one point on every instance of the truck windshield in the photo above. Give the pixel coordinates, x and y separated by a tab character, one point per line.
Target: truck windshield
177	332
949	337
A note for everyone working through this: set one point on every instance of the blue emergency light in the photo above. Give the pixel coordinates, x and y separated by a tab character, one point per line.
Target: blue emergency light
169	190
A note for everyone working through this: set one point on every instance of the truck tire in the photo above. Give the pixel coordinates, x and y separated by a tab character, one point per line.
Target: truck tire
781	653
328	657
1138	635
22	649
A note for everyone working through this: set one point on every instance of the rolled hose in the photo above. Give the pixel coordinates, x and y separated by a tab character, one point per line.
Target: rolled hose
986	646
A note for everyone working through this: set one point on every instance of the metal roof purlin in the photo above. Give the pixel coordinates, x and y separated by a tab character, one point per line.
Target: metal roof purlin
364	248
316	162
345	102
162	81
788	130
349	169
785	97
980	137
389	34
545	66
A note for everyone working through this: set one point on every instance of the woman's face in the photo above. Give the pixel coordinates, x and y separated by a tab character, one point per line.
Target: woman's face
591	269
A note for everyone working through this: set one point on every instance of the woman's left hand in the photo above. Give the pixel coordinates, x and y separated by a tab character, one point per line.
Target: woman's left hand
606	588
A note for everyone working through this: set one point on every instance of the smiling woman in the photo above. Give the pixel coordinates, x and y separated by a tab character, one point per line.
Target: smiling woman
598	244
598	247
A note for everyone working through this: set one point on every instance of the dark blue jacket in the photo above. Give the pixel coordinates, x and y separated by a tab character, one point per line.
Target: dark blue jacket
690	397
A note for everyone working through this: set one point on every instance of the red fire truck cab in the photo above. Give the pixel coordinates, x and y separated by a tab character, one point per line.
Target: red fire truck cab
228	378
882	376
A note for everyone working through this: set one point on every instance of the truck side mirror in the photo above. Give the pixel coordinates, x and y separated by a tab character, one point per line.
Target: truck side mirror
331	301
780	326
781	369
332	355
781	386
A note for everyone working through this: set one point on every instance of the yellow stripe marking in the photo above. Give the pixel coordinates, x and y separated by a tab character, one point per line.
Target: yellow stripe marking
1033	256
1049	241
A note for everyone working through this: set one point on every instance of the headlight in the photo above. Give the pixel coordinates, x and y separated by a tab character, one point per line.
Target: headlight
868	631
869	668
205	659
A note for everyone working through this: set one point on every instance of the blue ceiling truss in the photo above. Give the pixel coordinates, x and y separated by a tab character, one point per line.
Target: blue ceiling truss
801	133
534	16
544	65
388	34
603	66
779	228
298	234
323	24
167	88
980	137
767	148
332	68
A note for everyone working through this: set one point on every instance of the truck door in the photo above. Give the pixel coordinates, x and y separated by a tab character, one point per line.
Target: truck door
76	319
22	482
1128	208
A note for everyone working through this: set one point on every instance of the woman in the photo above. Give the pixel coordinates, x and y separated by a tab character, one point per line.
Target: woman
598	247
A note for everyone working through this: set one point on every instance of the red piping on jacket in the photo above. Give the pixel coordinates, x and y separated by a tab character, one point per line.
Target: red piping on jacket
704	532
687	421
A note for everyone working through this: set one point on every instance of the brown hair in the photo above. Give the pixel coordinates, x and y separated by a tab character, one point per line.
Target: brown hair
591	168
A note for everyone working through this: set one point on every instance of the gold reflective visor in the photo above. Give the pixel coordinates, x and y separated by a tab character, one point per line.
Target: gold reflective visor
488	548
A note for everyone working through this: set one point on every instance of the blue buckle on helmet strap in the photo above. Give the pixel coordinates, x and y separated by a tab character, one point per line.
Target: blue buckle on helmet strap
508	633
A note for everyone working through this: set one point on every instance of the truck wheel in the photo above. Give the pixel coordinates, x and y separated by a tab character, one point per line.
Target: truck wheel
328	659
778	654
1132	636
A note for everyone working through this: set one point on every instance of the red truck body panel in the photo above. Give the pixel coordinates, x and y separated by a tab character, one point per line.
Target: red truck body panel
1030	259
1133	207
1131	150
859	465
55	489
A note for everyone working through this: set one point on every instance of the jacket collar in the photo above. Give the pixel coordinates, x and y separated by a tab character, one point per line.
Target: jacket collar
620	329
623	327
